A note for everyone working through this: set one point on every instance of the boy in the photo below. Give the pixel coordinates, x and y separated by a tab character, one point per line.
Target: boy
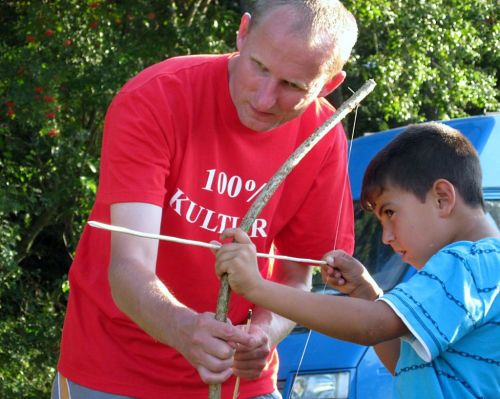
438	332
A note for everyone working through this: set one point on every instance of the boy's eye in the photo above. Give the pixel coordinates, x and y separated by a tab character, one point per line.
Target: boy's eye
388	212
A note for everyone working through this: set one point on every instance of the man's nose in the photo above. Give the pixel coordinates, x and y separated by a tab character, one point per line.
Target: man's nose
267	94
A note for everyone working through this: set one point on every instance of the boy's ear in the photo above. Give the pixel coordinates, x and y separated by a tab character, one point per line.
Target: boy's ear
445	196
243	30
334	82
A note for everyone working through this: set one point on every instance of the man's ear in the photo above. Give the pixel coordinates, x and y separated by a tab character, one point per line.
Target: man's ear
332	84
243	30
445	196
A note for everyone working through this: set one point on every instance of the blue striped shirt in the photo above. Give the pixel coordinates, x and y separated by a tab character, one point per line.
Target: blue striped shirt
451	309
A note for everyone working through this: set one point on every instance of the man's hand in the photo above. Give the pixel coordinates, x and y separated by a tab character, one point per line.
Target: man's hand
347	275
250	360
209	345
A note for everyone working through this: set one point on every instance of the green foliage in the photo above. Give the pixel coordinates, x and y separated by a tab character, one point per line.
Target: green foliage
63	60
432	59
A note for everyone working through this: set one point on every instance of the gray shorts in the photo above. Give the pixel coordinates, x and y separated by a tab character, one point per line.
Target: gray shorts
79	392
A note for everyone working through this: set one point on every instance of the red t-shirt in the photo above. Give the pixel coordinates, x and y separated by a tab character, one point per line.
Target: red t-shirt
172	138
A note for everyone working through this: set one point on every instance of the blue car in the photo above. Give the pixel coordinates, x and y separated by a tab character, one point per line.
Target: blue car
313	365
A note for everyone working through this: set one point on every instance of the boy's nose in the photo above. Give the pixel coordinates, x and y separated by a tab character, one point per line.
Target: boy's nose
387	235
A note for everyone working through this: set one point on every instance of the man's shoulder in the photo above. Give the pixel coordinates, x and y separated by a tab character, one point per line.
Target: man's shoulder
176	67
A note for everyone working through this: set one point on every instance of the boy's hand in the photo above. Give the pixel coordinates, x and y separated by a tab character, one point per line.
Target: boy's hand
347	275
239	260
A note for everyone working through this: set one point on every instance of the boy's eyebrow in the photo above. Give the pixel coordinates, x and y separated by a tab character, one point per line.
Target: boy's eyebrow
378	212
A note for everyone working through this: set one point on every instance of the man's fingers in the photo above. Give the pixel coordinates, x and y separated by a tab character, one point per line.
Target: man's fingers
210	377
236	335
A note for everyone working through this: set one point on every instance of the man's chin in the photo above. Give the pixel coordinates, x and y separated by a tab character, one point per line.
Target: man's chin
260	126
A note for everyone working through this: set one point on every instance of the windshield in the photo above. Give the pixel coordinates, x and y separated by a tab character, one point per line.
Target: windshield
384	265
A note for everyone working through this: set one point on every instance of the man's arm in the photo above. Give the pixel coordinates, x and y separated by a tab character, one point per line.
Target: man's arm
141	295
270	328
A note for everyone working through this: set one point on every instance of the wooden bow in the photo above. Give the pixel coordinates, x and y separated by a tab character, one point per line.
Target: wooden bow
301	151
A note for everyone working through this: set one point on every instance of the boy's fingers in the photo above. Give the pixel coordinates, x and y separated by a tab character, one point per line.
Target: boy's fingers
228	233
213	242
237	235
329	260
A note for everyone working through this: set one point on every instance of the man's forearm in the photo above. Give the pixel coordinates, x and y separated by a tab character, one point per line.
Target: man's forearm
275	326
142	296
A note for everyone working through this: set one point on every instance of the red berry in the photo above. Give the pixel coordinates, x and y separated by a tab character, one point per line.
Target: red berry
49	33
53	133
67	42
30	38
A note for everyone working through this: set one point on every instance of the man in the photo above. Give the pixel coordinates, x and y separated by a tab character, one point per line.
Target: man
188	145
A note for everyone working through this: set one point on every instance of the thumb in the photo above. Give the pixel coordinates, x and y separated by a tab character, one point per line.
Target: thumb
214	250
237	235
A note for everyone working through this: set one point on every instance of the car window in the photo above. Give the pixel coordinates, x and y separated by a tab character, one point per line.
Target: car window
493	210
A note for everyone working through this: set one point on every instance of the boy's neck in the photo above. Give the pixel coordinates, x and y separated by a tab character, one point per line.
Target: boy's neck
474	225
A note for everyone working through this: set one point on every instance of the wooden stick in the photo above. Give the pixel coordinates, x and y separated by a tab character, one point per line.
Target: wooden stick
178	240
247	328
351	103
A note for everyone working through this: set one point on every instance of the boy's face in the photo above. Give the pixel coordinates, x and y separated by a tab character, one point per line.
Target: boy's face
411	227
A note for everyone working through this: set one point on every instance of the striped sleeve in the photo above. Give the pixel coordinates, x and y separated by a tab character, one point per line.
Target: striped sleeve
439	304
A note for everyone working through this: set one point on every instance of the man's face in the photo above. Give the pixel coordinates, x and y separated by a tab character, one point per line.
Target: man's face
276	75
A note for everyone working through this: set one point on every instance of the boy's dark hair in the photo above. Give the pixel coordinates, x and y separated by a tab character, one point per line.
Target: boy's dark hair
418	157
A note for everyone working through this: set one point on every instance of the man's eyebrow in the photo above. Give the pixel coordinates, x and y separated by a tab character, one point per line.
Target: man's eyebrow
300	85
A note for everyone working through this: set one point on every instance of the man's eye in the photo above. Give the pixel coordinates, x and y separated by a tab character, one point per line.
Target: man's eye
260	66
293	85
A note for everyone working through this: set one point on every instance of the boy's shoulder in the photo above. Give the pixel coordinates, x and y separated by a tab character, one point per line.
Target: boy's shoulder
485	246
473	261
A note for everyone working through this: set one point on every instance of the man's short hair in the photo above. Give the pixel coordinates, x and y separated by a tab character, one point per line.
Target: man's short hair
325	22
418	157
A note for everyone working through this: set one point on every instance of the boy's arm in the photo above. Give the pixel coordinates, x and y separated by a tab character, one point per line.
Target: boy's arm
347	275
388	353
350	319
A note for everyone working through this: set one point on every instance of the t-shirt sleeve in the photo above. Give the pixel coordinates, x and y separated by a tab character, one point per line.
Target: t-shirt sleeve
435	304
135	156
325	219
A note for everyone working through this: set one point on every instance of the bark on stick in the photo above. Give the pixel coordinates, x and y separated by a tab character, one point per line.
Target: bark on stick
292	161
